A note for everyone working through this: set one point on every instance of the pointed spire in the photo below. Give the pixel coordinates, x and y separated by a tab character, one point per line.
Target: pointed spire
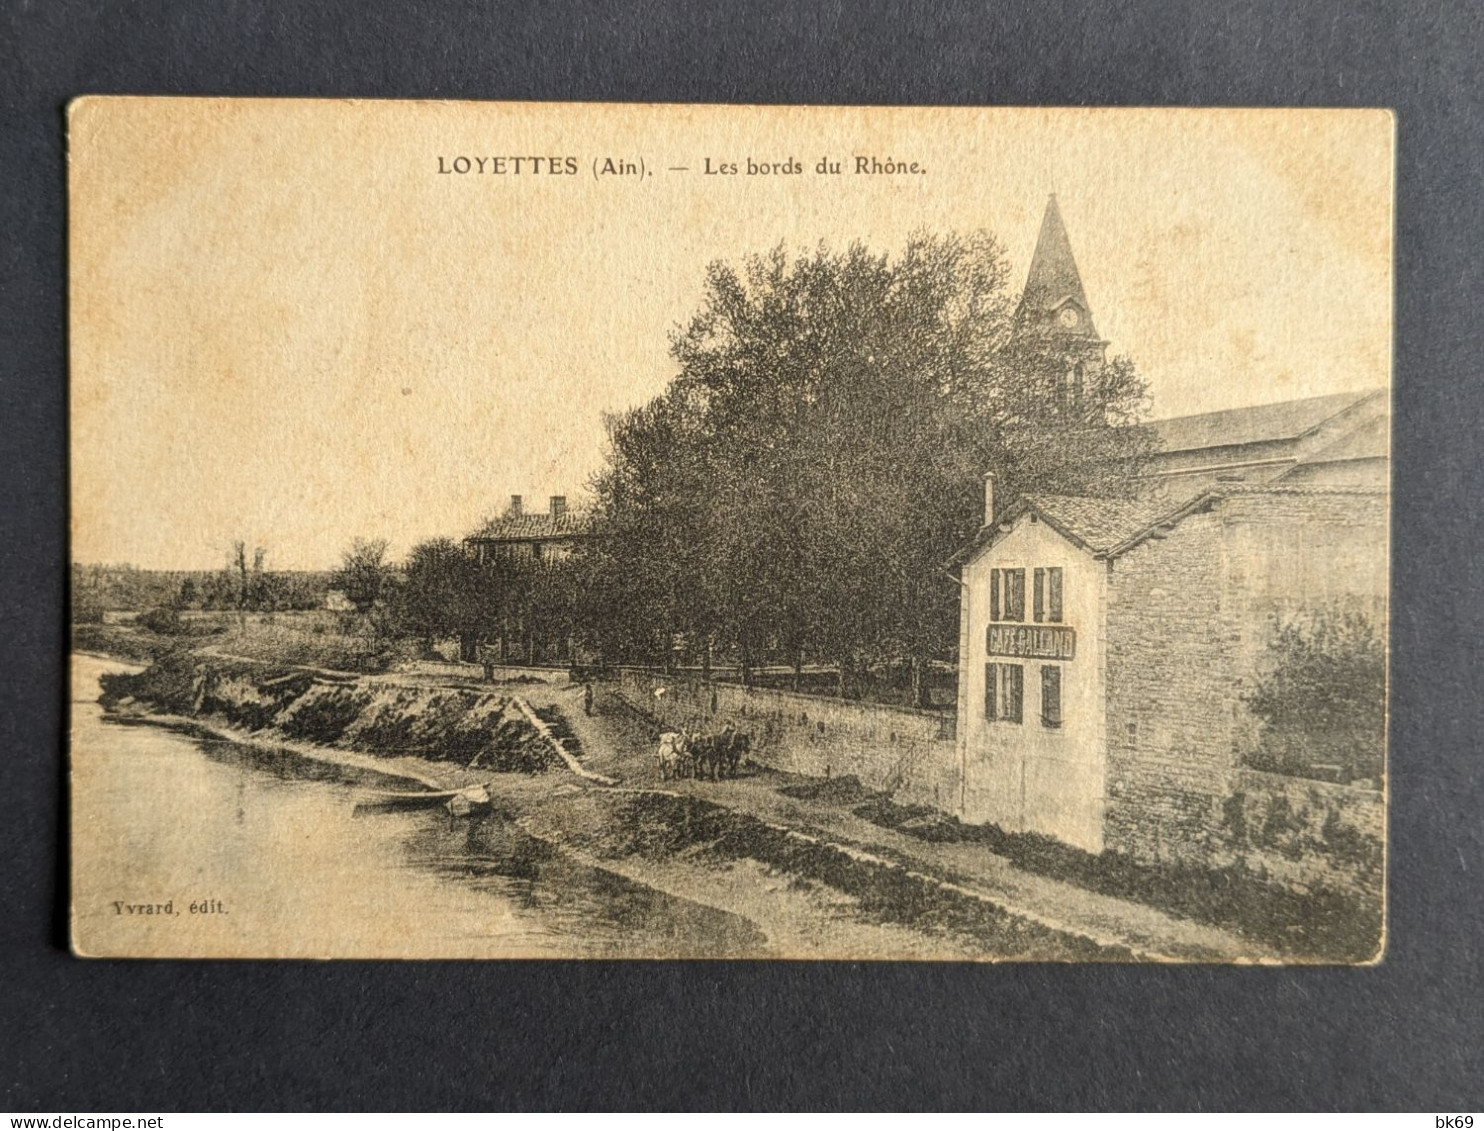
1054	283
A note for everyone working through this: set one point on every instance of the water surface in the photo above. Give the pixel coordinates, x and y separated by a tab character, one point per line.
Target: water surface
272	854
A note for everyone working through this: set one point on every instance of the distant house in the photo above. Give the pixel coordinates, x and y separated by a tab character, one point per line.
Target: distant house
537	628
1341	440
549	535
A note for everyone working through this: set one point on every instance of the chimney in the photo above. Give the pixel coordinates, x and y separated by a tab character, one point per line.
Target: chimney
514	508
988	498
558	506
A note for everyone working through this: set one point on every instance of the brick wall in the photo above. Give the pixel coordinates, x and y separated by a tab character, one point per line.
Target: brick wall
909	753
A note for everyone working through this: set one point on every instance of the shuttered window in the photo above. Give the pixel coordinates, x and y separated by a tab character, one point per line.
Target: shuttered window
1014	688
1014	596
1004	692
1050	695
1007	594
1046	595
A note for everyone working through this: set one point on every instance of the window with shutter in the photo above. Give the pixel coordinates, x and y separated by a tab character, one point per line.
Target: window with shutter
1004	689
994	594
1053	594
1014	691
1014	594
1050	695
1038	595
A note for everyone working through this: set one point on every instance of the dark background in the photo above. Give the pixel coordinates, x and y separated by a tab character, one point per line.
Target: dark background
220	1036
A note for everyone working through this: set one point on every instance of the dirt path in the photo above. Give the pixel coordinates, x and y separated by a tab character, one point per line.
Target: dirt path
618	742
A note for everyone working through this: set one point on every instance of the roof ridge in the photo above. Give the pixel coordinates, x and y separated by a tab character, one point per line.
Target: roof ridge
1285	421
1358	397
1296	489
541	524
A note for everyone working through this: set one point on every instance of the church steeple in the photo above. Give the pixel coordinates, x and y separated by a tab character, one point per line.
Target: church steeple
1054	305
1053	332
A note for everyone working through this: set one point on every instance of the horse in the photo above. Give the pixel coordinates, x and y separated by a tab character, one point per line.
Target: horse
707	755
737	751
672	752
719	755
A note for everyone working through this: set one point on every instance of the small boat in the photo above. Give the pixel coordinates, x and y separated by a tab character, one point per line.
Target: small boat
460	802
469	802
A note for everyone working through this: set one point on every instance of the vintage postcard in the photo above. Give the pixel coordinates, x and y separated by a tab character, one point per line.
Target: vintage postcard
520	530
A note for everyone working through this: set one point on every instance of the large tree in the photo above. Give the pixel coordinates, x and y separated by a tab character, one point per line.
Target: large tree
820	453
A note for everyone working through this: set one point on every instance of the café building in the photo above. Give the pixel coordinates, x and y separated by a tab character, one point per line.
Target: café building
1107	646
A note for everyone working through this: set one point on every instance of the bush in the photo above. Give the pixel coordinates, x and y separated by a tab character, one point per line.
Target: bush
163	620
1323	708
170	684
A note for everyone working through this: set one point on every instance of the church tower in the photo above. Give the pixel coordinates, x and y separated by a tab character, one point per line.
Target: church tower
1054	318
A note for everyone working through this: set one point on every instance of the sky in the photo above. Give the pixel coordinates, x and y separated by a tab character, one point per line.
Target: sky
290	326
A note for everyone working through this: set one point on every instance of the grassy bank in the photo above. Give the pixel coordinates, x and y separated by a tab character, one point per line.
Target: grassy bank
123	642
311	639
805	895
1322	924
655	834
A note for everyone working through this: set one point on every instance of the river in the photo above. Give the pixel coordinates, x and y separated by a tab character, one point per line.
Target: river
244	854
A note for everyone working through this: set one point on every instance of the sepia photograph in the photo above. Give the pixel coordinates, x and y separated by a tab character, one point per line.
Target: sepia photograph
537	530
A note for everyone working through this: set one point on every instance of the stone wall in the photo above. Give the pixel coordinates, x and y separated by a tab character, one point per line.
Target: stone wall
911	754
1190	618
1303	833
1293	550
1172	698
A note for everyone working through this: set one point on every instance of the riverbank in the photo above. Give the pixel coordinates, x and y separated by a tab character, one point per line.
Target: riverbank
812	886
754	845
1180	912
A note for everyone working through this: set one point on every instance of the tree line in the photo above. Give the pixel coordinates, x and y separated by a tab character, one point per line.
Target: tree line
243	584
443	591
793	495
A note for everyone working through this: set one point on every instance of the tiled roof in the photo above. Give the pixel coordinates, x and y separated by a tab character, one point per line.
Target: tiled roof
1106	528
1095	523
531	527
1285	420
1280	487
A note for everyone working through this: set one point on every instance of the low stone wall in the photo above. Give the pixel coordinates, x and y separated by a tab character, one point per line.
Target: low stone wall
518	671
910	754
1305	834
